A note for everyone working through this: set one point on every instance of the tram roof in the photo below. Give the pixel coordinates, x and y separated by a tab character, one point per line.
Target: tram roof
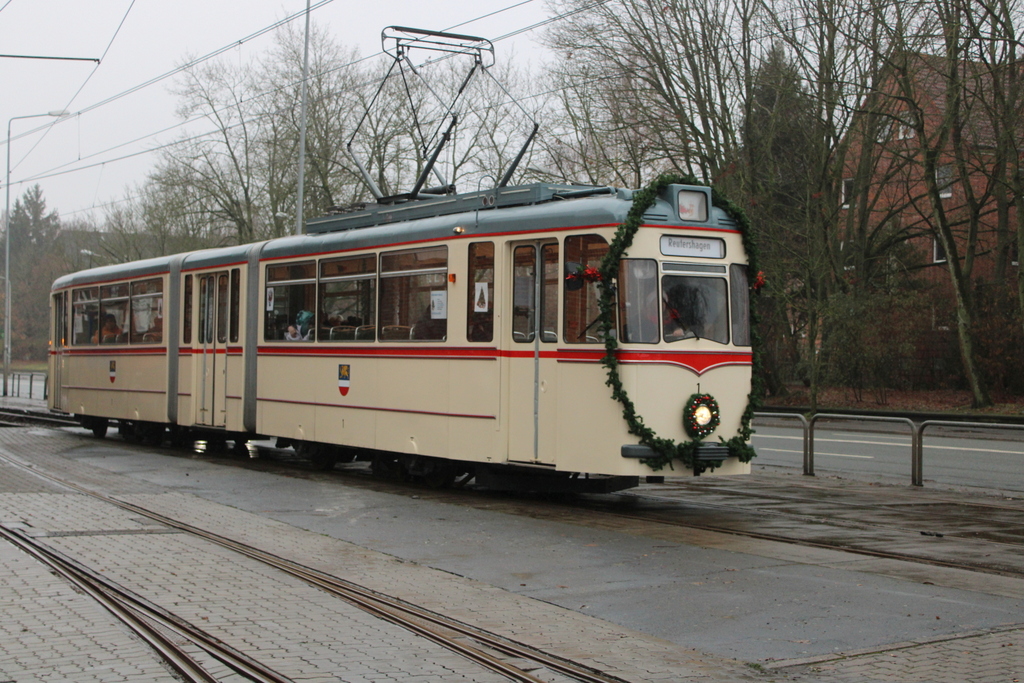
366	215
117	271
605	207
193	260
507	211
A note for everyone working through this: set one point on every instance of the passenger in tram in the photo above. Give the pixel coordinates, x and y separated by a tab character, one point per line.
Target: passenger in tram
684	310
429	328
109	332
156	330
304	323
303	329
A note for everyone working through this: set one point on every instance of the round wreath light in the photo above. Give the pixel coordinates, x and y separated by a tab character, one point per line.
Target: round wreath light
701	416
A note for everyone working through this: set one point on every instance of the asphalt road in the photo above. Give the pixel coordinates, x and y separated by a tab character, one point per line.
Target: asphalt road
986	460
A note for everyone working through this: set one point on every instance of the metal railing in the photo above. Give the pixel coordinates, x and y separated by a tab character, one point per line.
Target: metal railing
27	385
916	435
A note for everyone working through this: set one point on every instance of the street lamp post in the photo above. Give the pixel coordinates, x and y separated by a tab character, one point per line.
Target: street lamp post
302	132
7	245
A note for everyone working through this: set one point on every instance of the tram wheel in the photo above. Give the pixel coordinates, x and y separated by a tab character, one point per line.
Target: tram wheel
321	457
216	446
127	430
99	427
150	433
345	455
386	467
438	474
181	437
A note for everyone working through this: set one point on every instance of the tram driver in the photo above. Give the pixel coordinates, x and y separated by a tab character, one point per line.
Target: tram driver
683	309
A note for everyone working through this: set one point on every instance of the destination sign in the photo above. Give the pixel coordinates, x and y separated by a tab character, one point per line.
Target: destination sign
701	247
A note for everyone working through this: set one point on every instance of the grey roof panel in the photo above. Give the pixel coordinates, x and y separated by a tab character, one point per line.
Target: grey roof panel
221	256
542	208
120	271
598	210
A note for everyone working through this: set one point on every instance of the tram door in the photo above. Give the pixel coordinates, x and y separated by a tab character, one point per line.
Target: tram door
534	339
212	354
60	329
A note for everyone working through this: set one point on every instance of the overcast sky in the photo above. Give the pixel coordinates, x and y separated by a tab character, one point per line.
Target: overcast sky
75	161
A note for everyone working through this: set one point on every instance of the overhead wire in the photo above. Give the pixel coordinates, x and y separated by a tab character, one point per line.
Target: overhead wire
53	172
188	65
88	78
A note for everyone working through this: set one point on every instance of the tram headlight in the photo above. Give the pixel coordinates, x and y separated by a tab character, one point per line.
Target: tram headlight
700	416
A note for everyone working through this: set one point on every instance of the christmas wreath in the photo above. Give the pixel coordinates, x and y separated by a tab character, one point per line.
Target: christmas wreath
701	416
667	450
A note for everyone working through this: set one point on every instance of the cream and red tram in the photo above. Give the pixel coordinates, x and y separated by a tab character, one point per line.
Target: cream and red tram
446	335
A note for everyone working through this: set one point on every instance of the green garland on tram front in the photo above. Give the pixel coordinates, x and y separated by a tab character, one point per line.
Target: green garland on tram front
667	450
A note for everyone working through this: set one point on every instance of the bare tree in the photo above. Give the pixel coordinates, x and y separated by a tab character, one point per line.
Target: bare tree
683	66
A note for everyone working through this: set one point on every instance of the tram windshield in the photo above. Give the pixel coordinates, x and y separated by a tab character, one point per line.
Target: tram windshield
695	307
684	306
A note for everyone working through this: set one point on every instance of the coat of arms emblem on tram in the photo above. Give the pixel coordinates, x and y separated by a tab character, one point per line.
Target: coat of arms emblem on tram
344	374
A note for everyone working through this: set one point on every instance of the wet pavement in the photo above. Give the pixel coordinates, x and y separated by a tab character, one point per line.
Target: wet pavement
978	530
692	563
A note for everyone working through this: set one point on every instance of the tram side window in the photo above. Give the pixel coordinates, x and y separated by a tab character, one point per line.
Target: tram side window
549	293
524	287
147	312
414	295
222	309
85	315
524	310
480	306
113	314
638	301
348	299
581	290
206	312
186	319
59	321
236	303
695	308
290	302
740	295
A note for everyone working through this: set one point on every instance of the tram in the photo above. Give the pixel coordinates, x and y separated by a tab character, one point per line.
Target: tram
446	336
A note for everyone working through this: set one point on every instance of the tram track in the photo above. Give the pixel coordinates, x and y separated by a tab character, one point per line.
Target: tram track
146	620
845	538
588	506
490	651
16	417
841	527
663	520
854	518
878	554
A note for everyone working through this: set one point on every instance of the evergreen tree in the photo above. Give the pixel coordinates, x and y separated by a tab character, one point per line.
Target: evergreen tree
37	260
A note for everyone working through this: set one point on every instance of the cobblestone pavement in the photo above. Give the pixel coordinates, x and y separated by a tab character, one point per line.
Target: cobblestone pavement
48	632
991	655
